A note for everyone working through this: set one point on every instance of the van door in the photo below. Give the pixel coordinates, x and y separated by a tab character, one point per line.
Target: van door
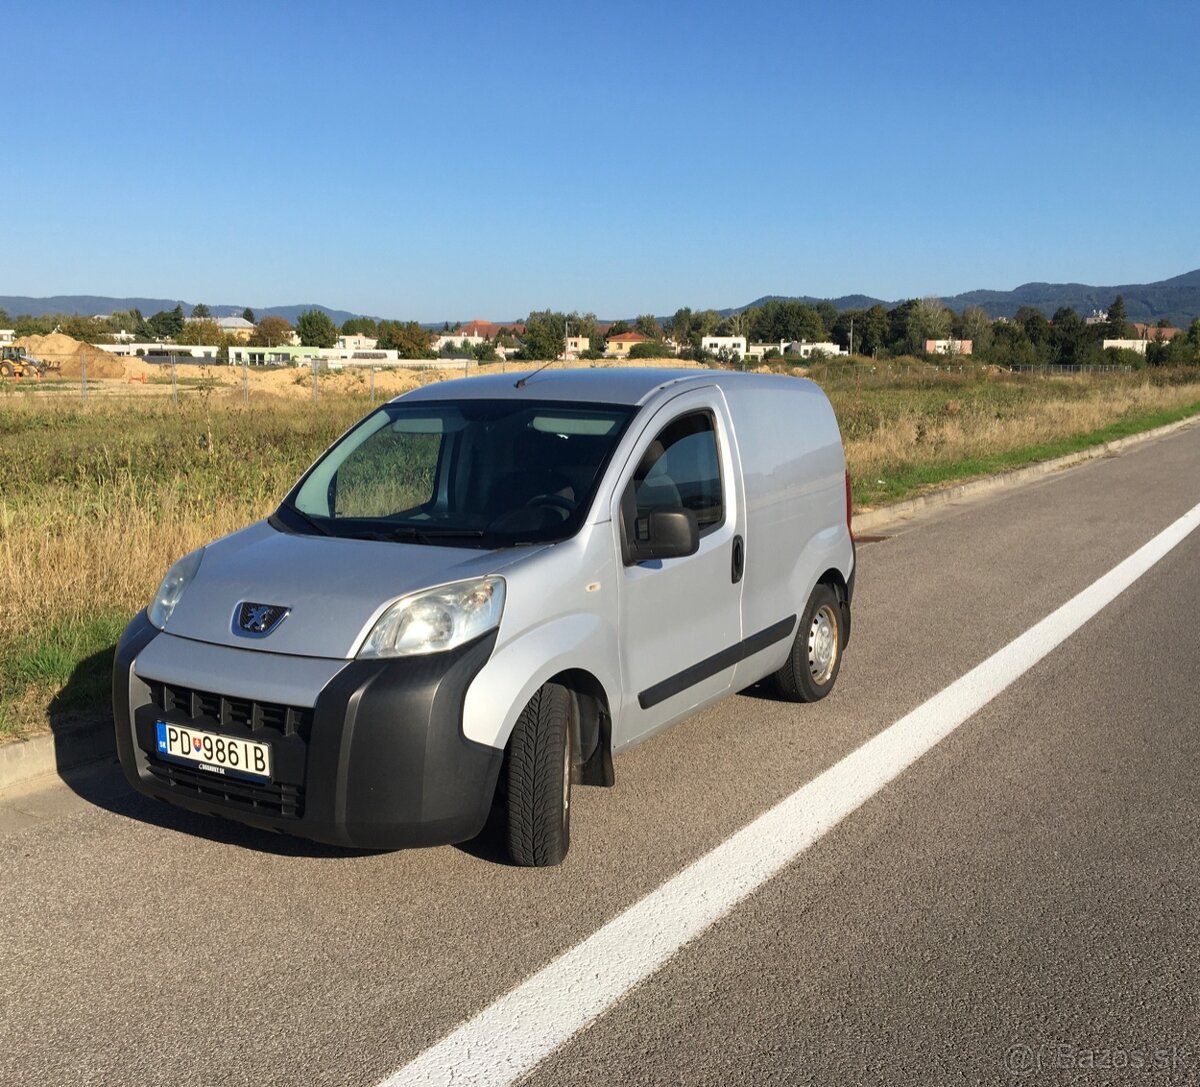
680	619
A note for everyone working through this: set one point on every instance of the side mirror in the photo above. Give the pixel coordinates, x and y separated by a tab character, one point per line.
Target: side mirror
664	534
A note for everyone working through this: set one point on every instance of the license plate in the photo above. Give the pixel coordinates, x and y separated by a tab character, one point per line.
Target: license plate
215	753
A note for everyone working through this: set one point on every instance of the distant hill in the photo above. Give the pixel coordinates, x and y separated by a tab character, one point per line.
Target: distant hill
1177	299
847	301
88	305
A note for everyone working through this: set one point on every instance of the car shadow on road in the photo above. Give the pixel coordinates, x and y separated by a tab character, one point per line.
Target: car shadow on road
104	786
763	691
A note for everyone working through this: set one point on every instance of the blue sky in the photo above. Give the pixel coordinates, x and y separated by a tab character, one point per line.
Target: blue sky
462	160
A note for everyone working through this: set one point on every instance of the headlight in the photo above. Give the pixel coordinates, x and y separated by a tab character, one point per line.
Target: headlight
178	578
437	619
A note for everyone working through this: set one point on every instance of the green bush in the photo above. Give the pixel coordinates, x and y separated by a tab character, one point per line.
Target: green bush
1124	356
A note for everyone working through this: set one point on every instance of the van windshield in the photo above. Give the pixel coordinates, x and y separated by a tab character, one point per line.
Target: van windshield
466	473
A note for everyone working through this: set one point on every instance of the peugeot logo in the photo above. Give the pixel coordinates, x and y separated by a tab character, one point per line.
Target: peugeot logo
257	620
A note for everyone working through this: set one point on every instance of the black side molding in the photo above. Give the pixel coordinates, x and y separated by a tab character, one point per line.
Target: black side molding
718	662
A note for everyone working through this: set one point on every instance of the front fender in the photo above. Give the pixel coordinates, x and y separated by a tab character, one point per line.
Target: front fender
518	668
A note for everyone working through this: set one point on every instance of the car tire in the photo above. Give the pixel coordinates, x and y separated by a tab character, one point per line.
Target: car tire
538	780
815	660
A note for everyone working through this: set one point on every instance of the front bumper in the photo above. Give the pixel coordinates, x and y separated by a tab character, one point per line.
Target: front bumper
378	762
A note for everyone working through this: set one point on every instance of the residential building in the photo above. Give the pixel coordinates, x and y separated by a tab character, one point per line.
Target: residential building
489	330
237	327
576	346
333	358
1126	345
7	335
357	343
947	347
1155	333
729	344
620	345
1098	317
758	350
806	350
161	348
279	355
461	340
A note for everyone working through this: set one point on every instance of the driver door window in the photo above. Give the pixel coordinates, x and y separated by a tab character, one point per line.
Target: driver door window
681	467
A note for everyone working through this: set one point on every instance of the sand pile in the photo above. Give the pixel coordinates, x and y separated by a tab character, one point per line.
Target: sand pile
71	353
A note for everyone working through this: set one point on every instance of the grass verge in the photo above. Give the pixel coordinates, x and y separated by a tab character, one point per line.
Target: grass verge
910	479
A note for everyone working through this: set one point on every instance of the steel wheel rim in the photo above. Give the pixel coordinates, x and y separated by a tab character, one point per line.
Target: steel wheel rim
823	645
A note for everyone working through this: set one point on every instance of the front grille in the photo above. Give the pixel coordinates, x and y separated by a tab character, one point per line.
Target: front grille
268	798
286	728
221	711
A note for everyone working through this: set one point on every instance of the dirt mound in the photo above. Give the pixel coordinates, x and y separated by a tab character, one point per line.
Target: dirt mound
57	348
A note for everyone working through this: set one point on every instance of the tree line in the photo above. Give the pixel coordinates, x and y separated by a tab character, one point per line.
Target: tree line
1027	339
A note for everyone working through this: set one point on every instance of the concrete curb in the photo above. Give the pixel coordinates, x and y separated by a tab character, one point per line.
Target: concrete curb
51	753
23	760
895	513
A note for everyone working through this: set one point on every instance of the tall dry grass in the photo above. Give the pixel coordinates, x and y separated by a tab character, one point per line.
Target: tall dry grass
958	432
97	503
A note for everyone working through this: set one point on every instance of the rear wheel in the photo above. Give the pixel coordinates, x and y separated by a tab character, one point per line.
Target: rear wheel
538	780
6	369
812	667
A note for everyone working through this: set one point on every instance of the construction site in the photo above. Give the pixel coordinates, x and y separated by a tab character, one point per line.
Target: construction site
56	365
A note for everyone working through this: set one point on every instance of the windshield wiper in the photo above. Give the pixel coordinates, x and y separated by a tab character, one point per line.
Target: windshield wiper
417	535
424	535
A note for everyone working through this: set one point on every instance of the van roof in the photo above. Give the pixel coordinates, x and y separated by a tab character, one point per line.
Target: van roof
605	385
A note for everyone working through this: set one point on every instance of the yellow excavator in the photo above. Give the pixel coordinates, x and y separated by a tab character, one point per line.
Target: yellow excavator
17	362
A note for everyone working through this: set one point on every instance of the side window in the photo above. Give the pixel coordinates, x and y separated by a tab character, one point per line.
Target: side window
682	468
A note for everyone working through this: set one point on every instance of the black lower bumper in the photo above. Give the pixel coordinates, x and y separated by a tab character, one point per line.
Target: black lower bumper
849	598
379	762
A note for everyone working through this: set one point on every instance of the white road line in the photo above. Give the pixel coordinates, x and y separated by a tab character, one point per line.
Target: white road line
506	1040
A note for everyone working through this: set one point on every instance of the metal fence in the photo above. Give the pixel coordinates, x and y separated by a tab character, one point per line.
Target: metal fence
1071	369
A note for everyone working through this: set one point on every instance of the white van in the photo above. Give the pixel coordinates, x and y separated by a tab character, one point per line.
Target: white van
485	590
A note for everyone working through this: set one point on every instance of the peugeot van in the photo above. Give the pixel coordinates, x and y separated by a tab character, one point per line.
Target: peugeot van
483	592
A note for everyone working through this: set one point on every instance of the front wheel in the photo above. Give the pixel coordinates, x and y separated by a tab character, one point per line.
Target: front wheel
812	667
538	780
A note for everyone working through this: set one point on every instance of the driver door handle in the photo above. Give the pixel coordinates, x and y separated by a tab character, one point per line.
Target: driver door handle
738	565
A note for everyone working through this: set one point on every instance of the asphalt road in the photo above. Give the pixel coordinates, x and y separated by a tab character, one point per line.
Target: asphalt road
1019	906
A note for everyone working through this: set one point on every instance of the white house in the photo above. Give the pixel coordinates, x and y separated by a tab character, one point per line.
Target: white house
1126	345
576	345
728	344
758	350
357	343
456	339
279	355
195	351
806	350
7	335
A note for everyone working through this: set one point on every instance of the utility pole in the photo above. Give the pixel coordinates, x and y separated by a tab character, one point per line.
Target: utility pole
851	336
